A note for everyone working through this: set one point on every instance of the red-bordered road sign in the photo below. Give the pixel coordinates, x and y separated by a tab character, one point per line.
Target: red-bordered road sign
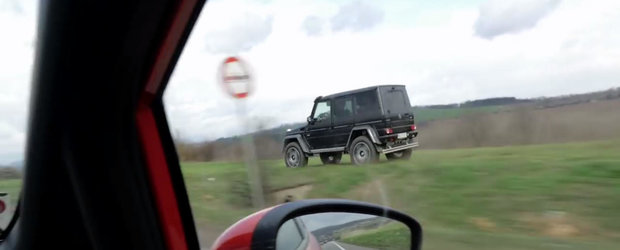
234	75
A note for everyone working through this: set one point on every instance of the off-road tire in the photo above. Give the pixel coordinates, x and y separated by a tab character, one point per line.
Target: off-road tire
331	158
294	157
363	151
399	155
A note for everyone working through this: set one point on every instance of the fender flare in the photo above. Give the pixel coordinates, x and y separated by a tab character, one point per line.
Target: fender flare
374	137
302	142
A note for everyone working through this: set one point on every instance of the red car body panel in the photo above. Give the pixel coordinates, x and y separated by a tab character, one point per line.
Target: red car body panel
161	181
239	235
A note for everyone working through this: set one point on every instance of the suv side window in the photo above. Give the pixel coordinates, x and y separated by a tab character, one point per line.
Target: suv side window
343	110
367	105
322	113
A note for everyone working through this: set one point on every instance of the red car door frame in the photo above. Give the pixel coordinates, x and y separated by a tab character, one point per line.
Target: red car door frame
101	169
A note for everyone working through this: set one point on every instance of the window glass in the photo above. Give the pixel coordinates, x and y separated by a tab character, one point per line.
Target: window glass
18	21
395	102
367	104
322	113
518	121
343	109
519	102
289	236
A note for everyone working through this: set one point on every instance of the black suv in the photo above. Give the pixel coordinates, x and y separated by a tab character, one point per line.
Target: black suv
362	123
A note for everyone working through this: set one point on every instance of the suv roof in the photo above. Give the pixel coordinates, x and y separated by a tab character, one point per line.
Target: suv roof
356	91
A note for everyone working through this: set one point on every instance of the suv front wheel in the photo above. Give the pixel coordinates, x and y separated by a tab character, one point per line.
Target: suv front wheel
399	155
331	158
363	151
293	156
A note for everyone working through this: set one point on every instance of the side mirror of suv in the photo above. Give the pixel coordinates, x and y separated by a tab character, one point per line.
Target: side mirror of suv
311	120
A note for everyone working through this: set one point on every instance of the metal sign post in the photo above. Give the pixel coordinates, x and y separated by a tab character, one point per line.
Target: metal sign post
236	80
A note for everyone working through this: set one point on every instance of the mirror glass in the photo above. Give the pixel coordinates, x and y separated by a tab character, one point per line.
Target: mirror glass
340	231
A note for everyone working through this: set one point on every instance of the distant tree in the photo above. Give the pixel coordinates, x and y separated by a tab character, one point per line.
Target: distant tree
9	173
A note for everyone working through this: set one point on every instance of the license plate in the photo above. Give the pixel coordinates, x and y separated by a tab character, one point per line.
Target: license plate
402	135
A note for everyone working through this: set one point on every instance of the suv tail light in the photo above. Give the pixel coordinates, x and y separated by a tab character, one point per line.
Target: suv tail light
389	131
413	127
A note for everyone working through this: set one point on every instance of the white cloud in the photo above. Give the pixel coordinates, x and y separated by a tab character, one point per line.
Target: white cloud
440	59
499	17
11	142
356	16
11	6
247	31
312	25
440	62
17	22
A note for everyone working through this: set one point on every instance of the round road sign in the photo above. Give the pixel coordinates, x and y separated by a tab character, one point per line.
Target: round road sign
234	75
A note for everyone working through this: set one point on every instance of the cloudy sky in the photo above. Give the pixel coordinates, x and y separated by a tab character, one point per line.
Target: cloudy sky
443	51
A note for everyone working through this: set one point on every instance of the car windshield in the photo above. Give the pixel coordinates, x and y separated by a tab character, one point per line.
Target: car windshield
495	123
17	24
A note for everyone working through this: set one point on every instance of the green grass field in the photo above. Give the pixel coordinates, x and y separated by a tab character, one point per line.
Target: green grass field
431	114
563	196
12	187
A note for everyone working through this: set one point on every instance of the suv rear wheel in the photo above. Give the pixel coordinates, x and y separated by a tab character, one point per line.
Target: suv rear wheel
293	156
399	155
363	151
331	158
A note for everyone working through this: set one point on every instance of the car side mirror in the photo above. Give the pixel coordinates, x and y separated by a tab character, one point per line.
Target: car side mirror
311	120
323	224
